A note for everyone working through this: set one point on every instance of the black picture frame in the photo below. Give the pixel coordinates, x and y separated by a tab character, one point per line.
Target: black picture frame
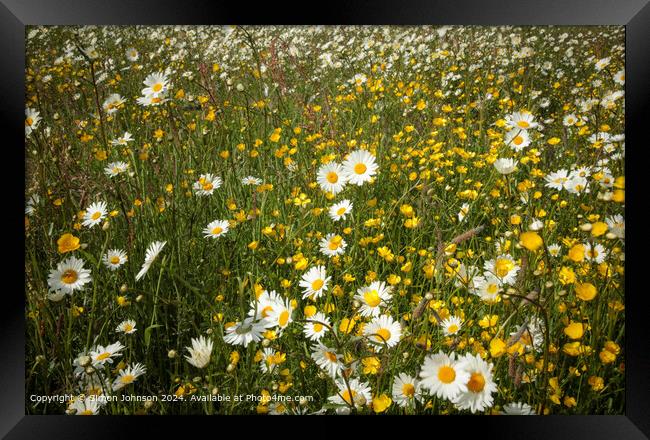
633	14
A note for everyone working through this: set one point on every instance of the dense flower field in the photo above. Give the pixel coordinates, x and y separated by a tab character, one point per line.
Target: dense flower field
399	220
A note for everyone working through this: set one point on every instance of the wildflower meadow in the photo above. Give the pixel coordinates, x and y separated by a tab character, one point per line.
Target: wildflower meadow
324	220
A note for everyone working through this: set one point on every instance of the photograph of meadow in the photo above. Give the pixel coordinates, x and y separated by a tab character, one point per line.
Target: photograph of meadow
324	220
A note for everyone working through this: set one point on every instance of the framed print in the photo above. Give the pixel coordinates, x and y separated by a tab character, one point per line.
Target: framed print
394	213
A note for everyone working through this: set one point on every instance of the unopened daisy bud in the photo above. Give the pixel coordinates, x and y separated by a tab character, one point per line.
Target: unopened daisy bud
405	355
89	370
610	236
40	358
106	225
511	291
266	342
428	296
585	227
84	245
197	379
356	304
289	260
240	87
171	354
230	368
275	387
208	331
84	361
139	298
123	288
548	284
148	404
215	391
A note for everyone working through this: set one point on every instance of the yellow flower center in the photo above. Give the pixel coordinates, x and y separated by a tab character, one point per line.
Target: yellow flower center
69	276
347	397
317	284
217	230
335	242
332	177
104	356
96	215
157	87
318	327
372	298
115	259
492	289
29	122
502	266
360	168
452	328
518	140
408	390
86	412
476	383
383	335
128	328
446	374
340	211
284	318
266	311
331	356
127	378
207	186
523	124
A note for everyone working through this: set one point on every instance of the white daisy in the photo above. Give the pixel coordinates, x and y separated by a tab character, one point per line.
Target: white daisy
115	168
383	331
152	253
357	393
95	213
340	210
200	352
206	184
101	355
480	385
504	267
444	376
332	244
113	103
517	139
245	332
262	307
330	177
522	120
316	326
32	119
451	325
619	77
327	359
359	167
85	406
114	258
270	359
128	376
250	180
406	390
373	297
487	287
616	225
157	85
69	276
505	165
595	253
123	140
518	409
216	229
281	315
127	327
314	282
557	180
464	210
132	54
554	250
569	120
